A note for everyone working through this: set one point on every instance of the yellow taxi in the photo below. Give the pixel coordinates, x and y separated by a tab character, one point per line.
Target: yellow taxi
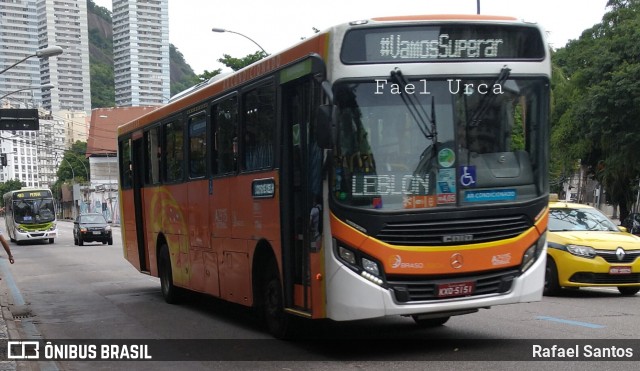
586	249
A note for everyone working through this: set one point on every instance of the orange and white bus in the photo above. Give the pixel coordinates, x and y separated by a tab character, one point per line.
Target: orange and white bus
391	166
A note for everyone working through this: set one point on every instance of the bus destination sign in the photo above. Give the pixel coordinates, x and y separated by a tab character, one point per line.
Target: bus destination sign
31	194
441	43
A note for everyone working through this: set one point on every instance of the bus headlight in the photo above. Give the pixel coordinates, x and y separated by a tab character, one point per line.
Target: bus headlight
532	253
53	227
347	255
365	266
370	266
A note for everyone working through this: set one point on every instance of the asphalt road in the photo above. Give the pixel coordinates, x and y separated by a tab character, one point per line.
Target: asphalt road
61	292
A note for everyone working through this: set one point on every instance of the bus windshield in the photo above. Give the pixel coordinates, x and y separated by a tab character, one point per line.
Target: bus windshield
426	142
33	211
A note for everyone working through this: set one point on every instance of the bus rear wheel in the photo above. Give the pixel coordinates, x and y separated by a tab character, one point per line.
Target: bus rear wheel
169	291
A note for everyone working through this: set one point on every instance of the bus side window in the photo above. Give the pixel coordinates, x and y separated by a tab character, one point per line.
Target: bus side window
225	131
152	156
197	145
174	142
125	163
259	128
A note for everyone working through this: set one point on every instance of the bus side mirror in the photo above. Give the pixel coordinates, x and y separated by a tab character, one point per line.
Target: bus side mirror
324	127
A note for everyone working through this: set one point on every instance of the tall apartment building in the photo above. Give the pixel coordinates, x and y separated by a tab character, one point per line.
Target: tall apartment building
64	23
26	26
141	52
19	39
50	149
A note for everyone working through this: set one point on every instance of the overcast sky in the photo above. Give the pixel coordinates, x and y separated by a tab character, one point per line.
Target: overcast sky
277	24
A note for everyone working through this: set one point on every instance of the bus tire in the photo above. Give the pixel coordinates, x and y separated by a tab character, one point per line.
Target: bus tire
551	284
169	290
430	322
51	240
277	320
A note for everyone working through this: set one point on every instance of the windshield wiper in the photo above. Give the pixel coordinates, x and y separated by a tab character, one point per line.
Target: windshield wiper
419	114
488	99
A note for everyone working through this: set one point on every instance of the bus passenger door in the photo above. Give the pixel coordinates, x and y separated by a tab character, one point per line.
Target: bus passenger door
138	180
297	193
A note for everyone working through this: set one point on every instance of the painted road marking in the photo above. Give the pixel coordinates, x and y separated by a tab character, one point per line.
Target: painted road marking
570	322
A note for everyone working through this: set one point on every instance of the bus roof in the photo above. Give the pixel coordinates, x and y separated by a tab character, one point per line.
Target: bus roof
445	17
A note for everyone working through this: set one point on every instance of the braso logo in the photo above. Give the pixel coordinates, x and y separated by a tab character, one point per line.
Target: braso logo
396	262
457	238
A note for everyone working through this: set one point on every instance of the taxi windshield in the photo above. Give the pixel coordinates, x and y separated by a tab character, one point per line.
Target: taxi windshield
568	219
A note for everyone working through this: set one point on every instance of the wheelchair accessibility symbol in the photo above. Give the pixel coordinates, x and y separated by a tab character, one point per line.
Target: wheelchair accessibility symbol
468	176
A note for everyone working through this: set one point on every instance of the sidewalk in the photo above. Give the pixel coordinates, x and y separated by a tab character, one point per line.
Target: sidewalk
8	330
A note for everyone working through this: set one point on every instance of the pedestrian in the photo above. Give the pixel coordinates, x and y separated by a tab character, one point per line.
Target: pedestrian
5	244
6	248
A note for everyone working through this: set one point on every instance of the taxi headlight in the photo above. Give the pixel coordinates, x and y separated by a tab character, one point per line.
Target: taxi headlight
583	251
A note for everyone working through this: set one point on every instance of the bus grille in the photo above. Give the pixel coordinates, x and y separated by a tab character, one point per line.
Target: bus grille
454	232
415	289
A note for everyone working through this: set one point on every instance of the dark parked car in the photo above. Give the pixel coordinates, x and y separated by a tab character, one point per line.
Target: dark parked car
632	223
91	227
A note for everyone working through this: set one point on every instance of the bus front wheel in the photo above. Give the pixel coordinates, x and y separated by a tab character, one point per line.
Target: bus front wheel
277	320
169	291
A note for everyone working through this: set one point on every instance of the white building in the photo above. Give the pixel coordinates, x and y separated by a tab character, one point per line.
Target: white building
19	39
64	23
141	52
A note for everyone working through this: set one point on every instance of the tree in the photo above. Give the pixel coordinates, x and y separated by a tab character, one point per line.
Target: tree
234	63
239	63
596	113
8	186
74	165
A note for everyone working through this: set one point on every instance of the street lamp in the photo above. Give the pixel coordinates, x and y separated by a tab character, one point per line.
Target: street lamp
40	53
221	30
43	87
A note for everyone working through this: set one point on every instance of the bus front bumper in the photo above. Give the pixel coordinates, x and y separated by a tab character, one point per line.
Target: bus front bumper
36	235
351	297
